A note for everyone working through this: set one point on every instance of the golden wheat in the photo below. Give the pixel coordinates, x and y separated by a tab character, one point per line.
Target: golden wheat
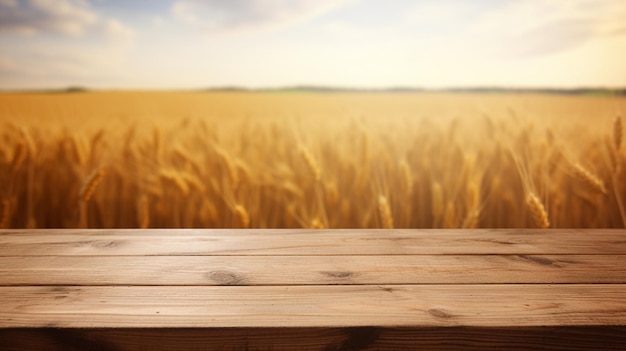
385	212
143	213
316	223
310	162
617	132
437	202
243	216
537	211
588	178
19	156
407	176
325	169
90	184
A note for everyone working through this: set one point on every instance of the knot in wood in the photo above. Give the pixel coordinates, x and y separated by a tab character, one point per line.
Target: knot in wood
339	274
104	243
439	313
224	277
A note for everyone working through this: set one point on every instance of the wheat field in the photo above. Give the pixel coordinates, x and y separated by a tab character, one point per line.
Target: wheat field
310	160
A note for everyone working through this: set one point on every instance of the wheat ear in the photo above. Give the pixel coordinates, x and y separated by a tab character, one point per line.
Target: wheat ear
471	221
317	224
590	179
242	214
90	185
538	211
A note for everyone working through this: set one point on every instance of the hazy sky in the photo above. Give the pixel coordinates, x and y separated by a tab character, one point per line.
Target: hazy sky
268	43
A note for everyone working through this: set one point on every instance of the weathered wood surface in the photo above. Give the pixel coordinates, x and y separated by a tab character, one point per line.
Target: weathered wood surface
314	306
314	270
312	290
290	242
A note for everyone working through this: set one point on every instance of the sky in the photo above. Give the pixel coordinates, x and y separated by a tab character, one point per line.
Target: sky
163	44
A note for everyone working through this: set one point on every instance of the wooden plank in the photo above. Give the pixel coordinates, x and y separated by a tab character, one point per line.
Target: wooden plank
301	243
326	339
306	232
314	306
314	270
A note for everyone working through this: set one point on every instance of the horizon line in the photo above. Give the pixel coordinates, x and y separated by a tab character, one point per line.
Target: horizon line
341	89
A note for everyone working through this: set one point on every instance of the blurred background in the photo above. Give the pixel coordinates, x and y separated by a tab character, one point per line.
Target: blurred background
312	114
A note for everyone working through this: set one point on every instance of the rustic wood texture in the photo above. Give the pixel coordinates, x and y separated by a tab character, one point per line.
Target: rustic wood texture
314	270
314	306
292	242
312	290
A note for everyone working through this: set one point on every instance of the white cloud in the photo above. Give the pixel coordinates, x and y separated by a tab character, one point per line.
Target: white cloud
158	21
71	18
438	13
237	15
67	41
117	32
55	65
67	17
614	18
532	28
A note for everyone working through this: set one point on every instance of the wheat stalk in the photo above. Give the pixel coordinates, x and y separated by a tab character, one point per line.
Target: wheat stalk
473	195
174	178
385	212
449	217
242	215
208	212
157	143
617	133
19	156
78	151
191	176
471	221
85	194
310	162
143	213
90	185
588	178
537	211
231	166
407	176
437	203
332	195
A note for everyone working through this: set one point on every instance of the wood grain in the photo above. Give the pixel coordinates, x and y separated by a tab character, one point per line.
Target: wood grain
325	290
314	270
322	339
306	242
314	306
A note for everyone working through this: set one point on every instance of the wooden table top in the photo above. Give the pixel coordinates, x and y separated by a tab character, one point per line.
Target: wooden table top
305	278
